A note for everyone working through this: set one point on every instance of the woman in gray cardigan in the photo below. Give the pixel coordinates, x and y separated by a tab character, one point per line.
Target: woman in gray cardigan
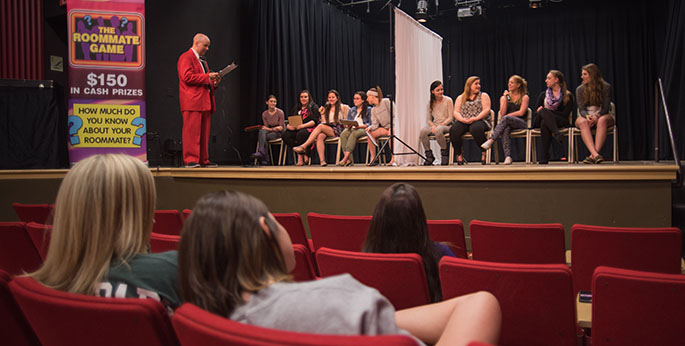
594	99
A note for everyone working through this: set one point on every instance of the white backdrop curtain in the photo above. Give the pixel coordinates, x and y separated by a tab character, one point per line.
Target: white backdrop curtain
418	62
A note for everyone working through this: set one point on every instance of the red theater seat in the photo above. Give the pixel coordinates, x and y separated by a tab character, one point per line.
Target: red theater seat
517	243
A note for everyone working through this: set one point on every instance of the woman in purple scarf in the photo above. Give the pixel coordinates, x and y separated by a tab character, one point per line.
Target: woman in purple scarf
552	111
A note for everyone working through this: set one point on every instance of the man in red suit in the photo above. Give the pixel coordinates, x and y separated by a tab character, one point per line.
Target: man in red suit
196	95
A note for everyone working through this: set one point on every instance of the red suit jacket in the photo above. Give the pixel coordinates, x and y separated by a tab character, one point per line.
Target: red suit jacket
195	92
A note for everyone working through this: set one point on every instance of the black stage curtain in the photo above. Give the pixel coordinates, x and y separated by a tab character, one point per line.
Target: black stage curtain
673	76
311	45
28	125
626	41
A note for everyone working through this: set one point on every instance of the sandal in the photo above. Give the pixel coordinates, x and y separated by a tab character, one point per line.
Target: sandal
299	149
599	159
589	160
323	164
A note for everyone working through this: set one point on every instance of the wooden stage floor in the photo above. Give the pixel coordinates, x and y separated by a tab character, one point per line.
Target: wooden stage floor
635	193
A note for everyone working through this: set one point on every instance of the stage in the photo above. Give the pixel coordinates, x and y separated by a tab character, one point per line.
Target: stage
635	193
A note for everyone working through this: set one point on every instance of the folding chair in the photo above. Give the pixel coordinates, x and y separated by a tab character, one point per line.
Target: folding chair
338	231
62	318
39	213
520	133
195	326
536	300
304	269
450	232
163	242
611	130
637	308
399	277
40	236
646	249
168	222
517	243
17	252
14	329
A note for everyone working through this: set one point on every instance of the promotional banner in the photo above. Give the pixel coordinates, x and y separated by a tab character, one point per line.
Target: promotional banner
106	78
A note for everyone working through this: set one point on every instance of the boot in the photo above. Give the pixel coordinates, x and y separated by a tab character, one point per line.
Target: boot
429	158
445	157
260	155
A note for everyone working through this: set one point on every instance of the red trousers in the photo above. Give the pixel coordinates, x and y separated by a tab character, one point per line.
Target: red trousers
196	136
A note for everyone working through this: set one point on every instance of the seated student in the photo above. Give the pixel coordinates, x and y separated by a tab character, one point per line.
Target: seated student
472	112
552	111
380	120
438	122
296	135
234	260
330	125
513	106
399	226
273	123
594	103
361	113
101	233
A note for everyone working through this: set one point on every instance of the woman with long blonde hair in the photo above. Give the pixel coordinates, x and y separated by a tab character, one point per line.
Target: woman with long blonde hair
471	112
101	233
594	110
513	106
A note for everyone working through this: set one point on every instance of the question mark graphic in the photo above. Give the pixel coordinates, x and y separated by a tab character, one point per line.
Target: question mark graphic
74	123
140	131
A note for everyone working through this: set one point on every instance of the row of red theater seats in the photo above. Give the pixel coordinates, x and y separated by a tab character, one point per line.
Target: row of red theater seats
536	290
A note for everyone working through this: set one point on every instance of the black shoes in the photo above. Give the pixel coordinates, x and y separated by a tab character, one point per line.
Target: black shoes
210	164
192	165
429	158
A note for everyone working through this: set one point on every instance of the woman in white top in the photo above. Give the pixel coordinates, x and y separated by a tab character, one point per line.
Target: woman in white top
438	122
331	114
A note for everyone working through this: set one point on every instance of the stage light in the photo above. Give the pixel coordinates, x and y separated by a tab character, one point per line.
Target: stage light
535	3
422	11
469	8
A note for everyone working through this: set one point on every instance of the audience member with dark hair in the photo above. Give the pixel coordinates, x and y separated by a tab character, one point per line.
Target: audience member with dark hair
101	233
234	261
399	225
296	135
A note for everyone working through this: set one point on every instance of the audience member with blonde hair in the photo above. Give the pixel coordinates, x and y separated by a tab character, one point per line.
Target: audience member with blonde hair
100	238
234	261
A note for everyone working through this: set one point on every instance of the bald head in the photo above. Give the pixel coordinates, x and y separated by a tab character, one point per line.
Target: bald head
201	44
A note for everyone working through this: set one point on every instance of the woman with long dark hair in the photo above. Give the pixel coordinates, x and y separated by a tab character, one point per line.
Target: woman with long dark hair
361	113
553	108
330	125
594	110
438	123
296	135
399	225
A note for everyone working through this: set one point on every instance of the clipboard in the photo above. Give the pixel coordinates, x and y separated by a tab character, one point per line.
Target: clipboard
349	122
295	120
224	71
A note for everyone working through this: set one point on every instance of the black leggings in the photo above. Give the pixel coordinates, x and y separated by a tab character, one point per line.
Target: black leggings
458	129
549	123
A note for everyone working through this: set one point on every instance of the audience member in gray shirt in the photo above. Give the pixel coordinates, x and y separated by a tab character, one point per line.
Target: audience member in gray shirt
234	261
